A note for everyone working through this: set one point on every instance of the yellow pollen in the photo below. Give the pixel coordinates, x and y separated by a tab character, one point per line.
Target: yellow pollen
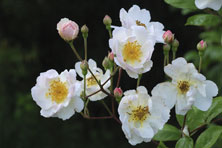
132	52
139	114
58	91
91	81
138	23
183	86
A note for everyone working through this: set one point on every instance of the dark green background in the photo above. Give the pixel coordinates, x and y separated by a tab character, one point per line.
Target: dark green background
30	44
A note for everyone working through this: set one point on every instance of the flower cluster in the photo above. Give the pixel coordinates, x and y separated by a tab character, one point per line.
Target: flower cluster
133	42
132	45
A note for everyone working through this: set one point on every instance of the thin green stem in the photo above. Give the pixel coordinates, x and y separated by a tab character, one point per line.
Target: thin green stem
75	52
184	123
200	63
107	108
138	80
85	108
88	117
110	32
84	91
95	78
85	47
164	61
174	55
168	59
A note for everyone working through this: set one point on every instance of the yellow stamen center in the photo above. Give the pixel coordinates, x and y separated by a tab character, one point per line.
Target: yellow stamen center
58	91
183	86
138	23
91	81
132	52
139	114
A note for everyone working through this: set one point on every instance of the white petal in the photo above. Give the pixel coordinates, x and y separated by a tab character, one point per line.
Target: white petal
129	92
132	74
49	112
214	4
78	69
66	112
146	131
211	88
78	104
167	91
125	19
142	89
147	66
141	15
182	105
202	103
92	64
39	96
155	29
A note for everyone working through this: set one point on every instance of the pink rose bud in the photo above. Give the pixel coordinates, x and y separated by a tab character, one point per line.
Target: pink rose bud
107	20
111	56
118	93
168	37
67	29
201	46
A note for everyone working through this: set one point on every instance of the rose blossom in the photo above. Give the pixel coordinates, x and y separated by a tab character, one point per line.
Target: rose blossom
67	29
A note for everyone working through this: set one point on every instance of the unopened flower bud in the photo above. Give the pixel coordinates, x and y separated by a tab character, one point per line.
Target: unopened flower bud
84	31
67	29
175	45
107	20
166	47
84	67
201	46
106	63
111	56
168	37
118	93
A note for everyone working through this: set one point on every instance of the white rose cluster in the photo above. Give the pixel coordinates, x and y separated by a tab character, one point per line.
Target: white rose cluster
133	42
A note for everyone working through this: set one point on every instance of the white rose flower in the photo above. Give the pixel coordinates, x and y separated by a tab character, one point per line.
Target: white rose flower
188	87
213	4
58	95
91	84
141	17
132	49
141	115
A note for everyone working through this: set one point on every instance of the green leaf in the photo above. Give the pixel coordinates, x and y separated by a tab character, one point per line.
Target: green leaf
180	119
168	133
209	137
215	109
185	4
161	145
195	118
185	142
213	36
218	143
203	20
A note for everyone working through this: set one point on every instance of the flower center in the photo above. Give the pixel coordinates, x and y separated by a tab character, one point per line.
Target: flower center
139	114
91	81
58	91
138	23
183	86
132	52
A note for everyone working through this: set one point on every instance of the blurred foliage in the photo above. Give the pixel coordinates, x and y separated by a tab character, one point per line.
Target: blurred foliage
29	44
